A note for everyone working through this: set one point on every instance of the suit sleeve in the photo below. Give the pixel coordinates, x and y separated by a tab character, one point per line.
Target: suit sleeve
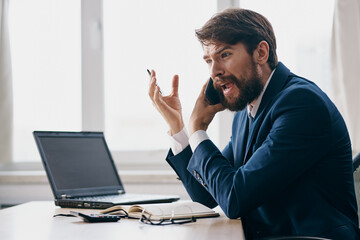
296	134
195	190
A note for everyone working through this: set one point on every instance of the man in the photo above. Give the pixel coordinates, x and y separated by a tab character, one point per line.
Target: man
287	169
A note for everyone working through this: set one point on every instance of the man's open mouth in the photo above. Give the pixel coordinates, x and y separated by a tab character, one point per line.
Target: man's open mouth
227	87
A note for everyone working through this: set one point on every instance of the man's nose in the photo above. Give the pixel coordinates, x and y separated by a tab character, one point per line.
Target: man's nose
216	70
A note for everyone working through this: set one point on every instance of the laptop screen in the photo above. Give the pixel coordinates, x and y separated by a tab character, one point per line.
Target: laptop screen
78	161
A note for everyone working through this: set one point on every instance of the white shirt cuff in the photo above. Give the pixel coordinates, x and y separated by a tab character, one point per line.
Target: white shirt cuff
196	138
179	141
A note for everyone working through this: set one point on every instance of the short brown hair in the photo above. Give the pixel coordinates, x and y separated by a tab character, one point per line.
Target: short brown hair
235	25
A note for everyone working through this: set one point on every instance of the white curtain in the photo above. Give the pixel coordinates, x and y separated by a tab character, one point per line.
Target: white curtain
6	96
345	65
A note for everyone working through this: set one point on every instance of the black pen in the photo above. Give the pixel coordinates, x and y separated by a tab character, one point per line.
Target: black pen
155	83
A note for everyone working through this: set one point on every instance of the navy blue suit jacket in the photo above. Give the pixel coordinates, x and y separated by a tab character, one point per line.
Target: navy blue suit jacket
290	174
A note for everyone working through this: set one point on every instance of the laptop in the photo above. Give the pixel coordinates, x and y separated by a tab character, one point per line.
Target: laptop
82	173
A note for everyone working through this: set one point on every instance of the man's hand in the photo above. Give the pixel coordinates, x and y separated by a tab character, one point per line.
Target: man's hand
203	113
168	106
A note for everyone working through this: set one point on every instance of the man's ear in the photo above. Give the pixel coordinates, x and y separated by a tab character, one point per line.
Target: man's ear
262	52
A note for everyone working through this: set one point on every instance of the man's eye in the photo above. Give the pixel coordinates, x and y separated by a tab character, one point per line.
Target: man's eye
208	61
225	54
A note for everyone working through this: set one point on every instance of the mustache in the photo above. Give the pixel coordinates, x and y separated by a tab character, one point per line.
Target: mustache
230	78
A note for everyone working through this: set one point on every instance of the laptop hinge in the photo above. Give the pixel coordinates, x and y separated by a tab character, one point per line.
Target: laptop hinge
63	196
121	191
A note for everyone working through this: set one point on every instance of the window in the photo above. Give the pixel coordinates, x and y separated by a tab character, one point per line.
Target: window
156	34
45	38
46	65
303	34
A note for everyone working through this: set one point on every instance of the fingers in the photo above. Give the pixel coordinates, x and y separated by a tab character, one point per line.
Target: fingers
153	87
175	86
157	99
219	107
160	104
201	96
152	84
203	89
154	91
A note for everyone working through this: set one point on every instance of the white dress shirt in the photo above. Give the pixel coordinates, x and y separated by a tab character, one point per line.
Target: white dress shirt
181	140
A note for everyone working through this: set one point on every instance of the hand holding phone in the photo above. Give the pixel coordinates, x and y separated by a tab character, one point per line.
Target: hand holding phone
211	93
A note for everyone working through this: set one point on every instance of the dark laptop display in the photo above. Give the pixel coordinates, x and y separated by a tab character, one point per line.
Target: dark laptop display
82	172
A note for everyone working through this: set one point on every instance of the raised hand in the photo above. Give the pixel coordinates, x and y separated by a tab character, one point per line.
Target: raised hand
168	106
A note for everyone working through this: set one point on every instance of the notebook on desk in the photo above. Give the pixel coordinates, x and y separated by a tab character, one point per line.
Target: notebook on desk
82	173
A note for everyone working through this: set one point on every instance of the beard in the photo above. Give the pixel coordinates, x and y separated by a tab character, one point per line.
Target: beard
250	89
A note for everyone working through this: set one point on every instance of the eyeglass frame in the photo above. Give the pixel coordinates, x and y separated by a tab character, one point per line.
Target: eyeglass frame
147	220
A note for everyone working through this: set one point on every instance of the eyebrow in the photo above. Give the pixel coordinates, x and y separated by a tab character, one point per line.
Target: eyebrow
219	51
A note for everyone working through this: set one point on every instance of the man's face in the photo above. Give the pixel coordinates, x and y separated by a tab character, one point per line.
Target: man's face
236	75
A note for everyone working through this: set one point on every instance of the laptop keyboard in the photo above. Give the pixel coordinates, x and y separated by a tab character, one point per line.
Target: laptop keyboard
105	198
115	198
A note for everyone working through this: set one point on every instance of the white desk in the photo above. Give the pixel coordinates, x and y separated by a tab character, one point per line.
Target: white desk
34	220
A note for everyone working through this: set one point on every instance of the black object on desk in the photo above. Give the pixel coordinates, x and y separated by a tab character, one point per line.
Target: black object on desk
96	217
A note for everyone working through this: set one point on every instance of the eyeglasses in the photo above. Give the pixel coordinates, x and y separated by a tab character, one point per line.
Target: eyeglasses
147	220
122	213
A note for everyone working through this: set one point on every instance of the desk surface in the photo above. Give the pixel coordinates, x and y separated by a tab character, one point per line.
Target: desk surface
34	220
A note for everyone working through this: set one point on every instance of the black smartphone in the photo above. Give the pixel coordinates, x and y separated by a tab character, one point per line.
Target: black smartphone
211	93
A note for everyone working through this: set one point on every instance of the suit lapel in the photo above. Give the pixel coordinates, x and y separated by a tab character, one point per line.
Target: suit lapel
277	83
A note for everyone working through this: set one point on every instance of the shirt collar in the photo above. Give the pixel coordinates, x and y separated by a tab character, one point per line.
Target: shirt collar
252	109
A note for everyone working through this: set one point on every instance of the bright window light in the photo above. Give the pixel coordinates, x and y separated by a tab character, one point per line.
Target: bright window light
46	65
45	39
303	34
150	34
